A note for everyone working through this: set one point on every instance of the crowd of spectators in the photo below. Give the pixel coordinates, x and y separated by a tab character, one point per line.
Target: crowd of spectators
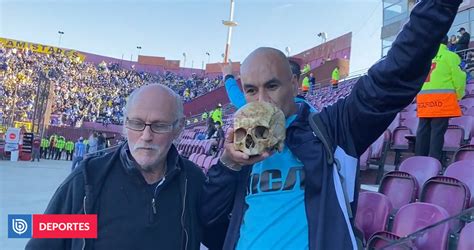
83	91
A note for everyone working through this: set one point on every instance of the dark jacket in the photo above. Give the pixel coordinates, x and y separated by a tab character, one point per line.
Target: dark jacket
463	42
127	216
353	124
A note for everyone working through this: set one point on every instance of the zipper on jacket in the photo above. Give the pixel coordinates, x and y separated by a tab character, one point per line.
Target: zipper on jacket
153	200
186	237
85	212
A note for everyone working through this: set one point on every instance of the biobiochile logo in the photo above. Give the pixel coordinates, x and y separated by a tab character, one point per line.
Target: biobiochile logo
19	226
52	226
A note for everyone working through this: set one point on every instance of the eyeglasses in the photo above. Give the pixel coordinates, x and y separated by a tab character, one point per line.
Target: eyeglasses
157	127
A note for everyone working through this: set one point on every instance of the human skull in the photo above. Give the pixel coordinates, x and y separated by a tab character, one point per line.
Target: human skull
259	126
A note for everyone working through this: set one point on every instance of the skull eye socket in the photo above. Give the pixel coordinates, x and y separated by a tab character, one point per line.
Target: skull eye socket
261	132
240	134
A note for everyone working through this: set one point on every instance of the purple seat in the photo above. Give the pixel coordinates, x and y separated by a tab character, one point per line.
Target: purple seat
411	123
401	188
469	89
192	157
214	161
200	160
415	216
399	142
207	147
467	103
407	115
381	240
466	123
395	123
378	154
464	153
453	138
207	163
463	171
466	239
469	112
364	159
448	193
373	210
421	167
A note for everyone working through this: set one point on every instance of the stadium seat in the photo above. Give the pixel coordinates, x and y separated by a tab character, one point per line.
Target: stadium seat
382	240
364	159
399	143
401	188
373	210
465	122
416	216
421	167
463	171
464	153
207	163
448	193
379	154
466	238
469	89
453	138
467	103
192	157
214	161
200	160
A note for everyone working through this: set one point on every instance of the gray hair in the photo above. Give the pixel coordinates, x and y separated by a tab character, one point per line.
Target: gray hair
179	101
133	95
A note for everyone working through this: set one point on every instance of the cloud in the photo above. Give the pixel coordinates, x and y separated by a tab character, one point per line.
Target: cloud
283	6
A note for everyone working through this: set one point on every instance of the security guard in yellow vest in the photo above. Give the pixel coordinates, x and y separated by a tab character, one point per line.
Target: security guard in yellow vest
204	116
69	149
217	114
60	147
44	148
438	101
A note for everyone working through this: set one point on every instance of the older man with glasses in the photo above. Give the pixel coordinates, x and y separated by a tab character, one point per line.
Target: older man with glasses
144	193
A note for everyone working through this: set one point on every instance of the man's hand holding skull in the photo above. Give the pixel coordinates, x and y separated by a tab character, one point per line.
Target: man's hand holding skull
259	129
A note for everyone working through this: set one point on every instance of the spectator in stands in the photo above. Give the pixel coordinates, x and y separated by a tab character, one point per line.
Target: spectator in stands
469	62
74	102
36	149
144	184
211	128
79	152
443	87
261	200
204	115
453	43
217	138
217	114
335	78
312	83
463	42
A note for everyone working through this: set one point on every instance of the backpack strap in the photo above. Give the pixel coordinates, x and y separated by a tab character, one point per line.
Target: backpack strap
319	130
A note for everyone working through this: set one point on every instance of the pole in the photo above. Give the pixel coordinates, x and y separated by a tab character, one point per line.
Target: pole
229	32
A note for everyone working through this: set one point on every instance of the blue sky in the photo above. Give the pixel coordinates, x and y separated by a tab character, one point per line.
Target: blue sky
169	28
